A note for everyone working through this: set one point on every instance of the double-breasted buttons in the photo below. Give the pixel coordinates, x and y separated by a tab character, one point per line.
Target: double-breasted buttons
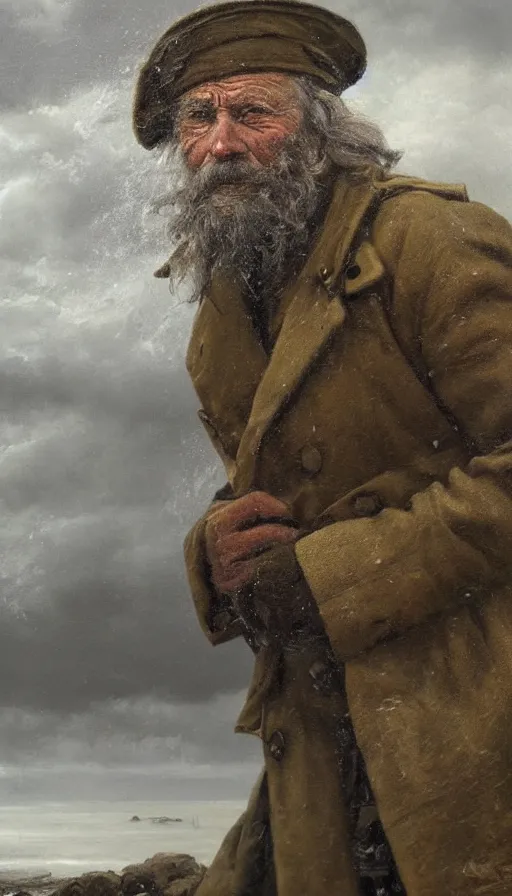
368	504
322	675
311	459
276	745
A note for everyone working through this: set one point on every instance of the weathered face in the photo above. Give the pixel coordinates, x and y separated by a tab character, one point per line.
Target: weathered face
246	184
245	117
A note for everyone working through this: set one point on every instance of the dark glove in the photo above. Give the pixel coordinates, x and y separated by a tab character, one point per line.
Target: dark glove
279	597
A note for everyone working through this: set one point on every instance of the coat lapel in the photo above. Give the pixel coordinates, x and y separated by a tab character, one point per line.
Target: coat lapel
226	361
308	325
314	314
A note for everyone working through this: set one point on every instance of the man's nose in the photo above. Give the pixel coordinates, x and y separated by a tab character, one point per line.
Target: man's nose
225	139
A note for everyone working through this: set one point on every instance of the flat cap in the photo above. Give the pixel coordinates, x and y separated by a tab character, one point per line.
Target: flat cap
241	37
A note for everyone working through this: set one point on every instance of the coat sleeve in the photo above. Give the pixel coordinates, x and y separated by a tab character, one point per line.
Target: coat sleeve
451	267
217	617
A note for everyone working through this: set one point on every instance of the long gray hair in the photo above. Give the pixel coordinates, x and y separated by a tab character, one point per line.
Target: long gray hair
350	141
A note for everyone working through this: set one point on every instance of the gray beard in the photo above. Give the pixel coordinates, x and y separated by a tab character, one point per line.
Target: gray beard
255	222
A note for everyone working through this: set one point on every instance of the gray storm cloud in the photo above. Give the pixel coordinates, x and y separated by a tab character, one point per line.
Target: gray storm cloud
103	463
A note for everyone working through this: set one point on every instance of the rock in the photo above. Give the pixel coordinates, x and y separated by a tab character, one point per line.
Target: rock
135	818
165	874
96	883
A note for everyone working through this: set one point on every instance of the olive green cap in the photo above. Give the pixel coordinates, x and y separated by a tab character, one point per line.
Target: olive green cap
241	37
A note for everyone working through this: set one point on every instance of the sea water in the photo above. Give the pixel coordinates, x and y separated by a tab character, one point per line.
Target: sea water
68	839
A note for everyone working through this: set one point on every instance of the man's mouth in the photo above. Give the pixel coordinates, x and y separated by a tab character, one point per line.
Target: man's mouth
235	186
235	190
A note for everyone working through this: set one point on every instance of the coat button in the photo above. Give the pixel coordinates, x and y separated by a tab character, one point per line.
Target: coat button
275	745
322	676
367	505
311	459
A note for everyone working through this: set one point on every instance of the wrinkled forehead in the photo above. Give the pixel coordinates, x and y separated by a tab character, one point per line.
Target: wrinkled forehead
275	89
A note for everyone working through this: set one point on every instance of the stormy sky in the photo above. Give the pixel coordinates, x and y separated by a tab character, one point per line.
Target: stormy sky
104	675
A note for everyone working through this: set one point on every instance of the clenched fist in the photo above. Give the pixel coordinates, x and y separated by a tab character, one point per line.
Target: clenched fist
239	532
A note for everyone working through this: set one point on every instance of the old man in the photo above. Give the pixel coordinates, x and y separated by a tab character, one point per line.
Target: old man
352	354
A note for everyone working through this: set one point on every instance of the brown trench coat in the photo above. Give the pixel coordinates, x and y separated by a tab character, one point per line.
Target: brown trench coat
382	417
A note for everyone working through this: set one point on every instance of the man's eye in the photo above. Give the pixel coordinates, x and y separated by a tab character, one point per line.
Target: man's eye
256	110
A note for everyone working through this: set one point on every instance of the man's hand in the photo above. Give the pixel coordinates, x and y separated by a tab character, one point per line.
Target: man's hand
239	532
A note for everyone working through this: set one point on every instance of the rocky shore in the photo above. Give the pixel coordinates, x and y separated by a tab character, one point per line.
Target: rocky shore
165	874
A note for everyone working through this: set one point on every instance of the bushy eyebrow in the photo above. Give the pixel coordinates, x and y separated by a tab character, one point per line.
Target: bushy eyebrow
194	105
